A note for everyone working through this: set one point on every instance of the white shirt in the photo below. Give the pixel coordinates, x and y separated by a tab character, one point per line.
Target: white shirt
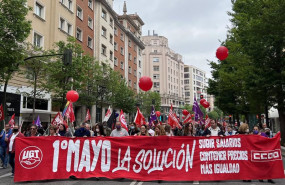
214	132
12	141
151	132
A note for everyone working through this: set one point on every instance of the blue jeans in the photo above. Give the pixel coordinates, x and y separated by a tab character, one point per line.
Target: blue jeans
4	155
12	161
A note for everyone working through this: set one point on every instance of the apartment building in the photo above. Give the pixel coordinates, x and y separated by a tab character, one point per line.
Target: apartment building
166	69
128	47
104	31
196	83
85	25
51	21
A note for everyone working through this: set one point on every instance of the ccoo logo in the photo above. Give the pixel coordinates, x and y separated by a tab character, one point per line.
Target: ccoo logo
30	157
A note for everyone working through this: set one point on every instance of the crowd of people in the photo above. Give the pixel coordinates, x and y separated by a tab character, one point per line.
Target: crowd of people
8	135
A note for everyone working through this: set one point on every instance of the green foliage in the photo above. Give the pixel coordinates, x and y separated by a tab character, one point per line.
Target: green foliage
213	115
145	100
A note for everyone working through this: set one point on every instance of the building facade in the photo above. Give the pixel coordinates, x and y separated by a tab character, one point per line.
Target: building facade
166	69
195	83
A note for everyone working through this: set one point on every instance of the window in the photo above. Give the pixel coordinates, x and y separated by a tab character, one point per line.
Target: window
130	83
90	4
140	74
104	14
186	75
156	84
69	29
122	51
111	55
130	69
115	61
111	22
38	40
135	60
111	38
62	23
79	34
130	43
156	76
139	51
130	56
135	72
79	13
187	93
90	43
70	4
186	81
103	50
135	47
122	65
115	46
122	37
116	31
155	68
155	51
135	85
39	10
90	23
155	59
62	1
104	32
140	63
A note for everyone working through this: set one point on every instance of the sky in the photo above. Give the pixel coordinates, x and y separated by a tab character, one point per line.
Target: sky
194	28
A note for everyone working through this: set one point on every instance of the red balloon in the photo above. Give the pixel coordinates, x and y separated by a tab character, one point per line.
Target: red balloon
158	113
145	83
72	96
183	117
206	104
202	101
222	53
192	115
185	112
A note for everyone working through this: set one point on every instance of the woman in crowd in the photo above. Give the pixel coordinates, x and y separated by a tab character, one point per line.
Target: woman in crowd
159	131
52	131
168	131
98	130
243	129
133	130
63	131
144	131
188	130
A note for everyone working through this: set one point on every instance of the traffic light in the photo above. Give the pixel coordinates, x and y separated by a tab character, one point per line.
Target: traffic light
201	96
67	57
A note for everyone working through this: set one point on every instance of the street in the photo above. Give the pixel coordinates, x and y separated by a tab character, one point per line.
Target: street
6	179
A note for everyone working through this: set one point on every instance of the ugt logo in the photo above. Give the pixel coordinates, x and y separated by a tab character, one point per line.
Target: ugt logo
30	157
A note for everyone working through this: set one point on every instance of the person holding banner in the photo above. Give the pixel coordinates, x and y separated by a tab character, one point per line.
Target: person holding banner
98	130
159	131
133	129
11	147
143	131
188	130
82	131
33	131
63	132
213	130
52	131
168	130
119	131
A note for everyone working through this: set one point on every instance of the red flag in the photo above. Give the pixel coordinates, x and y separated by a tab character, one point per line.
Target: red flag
172	119
207	121
1	113
108	114
58	119
123	121
188	119
12	121
70	113
139	119
88	117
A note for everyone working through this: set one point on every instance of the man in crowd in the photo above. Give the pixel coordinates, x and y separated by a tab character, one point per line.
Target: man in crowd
11	146
5	134
33	131
213	130
82	131
119	131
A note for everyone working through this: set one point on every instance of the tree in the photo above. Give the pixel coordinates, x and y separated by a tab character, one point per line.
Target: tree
147	99
213	115
259	28
14	29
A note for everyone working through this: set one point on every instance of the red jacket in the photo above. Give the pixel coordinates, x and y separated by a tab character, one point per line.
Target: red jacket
13	147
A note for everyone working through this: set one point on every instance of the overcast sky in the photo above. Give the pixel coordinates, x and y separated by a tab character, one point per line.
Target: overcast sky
194	28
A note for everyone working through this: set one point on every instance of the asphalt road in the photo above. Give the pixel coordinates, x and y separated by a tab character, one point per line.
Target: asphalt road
6	179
